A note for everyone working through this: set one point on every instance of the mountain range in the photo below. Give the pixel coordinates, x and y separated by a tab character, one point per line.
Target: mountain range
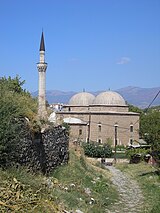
140	97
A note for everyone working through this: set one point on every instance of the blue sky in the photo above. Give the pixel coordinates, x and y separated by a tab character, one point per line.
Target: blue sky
91	44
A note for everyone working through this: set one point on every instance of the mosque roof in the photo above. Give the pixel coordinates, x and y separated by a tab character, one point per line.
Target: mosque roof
109	98
82	99
71	120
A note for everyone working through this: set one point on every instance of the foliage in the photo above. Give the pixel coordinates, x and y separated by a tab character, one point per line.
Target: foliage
15	104
139	151
25	192
133	108
67	127
12	85
120	148
149	125
150	128
97	150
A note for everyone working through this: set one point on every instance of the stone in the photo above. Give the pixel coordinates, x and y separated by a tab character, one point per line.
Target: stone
43	151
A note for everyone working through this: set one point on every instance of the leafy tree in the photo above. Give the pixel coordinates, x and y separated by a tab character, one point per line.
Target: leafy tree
12	85
15	104
97	150
150	127
135	109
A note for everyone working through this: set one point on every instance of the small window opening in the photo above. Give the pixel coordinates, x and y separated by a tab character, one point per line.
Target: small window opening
131	128
99	141
131	141
80	131
99	127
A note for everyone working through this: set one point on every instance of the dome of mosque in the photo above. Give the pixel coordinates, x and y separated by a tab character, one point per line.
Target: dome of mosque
82	99
109	98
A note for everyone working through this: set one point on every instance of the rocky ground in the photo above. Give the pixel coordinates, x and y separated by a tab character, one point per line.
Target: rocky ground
131	198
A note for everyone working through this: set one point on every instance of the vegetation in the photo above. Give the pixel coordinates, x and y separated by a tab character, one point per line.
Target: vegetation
78	185
15	104
150	127
148	178
21	191
82	186
97	150
137	155
133	108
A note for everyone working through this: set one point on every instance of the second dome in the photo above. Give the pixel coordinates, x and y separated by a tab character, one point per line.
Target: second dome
109	98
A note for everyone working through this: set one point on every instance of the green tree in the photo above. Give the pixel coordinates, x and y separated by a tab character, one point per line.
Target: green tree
150	127
15	105
133	108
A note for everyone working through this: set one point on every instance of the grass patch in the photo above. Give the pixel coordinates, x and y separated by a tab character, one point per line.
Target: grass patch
83	187
77	185
149	181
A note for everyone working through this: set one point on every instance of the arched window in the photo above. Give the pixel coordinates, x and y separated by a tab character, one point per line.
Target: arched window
99	127
99	140
131	128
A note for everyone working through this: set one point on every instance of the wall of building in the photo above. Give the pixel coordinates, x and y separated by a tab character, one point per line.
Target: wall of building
103	127
99	108
105	108
107	129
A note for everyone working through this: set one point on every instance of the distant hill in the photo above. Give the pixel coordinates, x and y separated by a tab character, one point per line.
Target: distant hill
140	97
137	96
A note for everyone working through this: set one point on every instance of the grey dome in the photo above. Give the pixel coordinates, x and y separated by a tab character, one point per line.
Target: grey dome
109	98
82	99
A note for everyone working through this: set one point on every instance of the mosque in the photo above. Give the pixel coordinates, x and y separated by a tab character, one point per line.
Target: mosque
99	119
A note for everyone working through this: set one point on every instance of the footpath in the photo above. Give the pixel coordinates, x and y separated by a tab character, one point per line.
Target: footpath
131	198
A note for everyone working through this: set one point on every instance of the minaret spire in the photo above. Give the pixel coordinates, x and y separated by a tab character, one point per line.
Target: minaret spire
42	46
42	66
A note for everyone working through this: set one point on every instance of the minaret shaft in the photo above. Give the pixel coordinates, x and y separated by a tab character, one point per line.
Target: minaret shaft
42	66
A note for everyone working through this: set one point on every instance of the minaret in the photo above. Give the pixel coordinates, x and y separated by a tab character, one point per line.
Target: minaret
42	66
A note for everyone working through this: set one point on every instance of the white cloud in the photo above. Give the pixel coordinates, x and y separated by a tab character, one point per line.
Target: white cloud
124	60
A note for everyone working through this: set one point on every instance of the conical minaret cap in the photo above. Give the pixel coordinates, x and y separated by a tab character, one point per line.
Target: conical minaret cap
42	46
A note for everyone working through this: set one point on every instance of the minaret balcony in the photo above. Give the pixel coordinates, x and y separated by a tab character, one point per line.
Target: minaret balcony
42	67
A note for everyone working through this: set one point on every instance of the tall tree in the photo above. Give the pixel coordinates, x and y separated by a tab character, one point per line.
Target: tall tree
150	127
15	104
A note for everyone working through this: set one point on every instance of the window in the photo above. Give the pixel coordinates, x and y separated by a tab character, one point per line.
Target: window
131	128
99	127
99	140
131	141
69	109
80	131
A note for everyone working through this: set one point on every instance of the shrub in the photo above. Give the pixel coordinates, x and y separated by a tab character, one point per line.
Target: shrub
15	105
137	155
120	148
97	150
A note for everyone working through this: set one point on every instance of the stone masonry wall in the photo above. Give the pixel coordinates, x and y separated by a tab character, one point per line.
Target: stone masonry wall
44	151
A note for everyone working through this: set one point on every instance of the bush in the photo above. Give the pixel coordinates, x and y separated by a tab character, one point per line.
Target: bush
96	150
15	105
120	148
137	155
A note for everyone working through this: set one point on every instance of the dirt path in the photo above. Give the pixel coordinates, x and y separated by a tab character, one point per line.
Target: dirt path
131	198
